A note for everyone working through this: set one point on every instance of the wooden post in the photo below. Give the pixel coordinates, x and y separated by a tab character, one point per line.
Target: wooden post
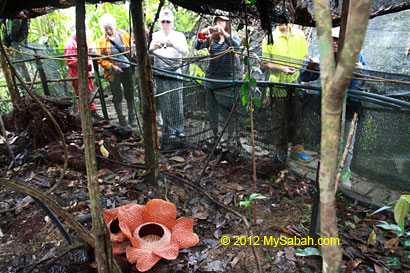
150	133
42	76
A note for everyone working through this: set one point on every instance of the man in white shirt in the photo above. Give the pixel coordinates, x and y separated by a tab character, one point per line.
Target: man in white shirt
168	43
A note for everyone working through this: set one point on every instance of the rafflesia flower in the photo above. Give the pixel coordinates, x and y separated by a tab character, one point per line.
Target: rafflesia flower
152	230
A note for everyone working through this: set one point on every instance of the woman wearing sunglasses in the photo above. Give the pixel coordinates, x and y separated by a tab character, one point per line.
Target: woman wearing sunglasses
167	46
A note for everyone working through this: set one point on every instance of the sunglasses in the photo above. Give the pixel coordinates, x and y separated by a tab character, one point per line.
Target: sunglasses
168	22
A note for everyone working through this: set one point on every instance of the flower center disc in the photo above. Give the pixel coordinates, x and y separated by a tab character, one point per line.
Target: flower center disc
152	236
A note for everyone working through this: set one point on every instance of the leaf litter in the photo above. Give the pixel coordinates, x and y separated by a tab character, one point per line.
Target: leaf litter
28	242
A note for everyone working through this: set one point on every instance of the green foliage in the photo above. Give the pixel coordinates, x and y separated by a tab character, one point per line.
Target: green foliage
253	196
345	174
247	202
394	261
50	29
5	100
401	212
195	70
94	13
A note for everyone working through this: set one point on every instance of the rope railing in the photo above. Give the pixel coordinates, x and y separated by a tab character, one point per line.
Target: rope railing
263	59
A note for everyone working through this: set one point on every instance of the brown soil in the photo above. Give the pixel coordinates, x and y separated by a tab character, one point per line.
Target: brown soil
30	243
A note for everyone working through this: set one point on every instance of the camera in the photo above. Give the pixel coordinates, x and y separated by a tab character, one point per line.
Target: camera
164	45
213	29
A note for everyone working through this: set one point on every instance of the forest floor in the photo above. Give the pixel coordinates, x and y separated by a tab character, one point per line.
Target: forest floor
29	242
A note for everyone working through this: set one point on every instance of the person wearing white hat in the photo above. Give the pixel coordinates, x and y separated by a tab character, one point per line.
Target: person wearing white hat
168	45
336	35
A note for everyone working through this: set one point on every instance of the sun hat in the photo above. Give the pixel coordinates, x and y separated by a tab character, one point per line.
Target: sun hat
166	15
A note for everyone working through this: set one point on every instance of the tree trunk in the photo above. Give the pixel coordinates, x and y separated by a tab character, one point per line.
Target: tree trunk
103	249
150	133
14	94
335	80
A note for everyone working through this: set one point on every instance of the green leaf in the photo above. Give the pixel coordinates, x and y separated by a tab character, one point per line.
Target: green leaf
240	26
350	224
394	261
309	251
356	219
394	227
405	242
244	101
253	82
407	196
381	209
346	175
257	102
244	203
256	196
246	77
244	89
245	60
401	209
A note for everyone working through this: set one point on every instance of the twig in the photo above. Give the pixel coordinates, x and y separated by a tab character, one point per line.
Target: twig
57	127
346	150
245	221
217	141
82	231
68	218
255	209
53	261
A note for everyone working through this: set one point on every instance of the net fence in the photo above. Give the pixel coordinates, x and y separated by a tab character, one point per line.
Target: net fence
382	139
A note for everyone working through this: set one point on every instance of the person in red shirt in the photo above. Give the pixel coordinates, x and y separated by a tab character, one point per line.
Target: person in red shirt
70	48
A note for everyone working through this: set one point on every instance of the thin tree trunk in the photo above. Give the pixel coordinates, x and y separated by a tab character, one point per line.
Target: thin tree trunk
103	249
335	80
14	94
150	133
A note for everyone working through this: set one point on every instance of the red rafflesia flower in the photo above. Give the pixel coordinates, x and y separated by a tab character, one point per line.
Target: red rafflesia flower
152	230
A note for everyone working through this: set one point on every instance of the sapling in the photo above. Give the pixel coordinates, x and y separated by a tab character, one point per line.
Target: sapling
247	202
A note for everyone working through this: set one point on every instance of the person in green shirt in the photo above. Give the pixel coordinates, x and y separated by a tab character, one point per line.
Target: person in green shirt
289	45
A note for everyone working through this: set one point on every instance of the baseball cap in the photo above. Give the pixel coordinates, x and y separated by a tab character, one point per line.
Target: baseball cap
166	15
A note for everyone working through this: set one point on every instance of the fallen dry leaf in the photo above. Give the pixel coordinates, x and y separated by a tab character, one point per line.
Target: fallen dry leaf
201	215
234	186
391	243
